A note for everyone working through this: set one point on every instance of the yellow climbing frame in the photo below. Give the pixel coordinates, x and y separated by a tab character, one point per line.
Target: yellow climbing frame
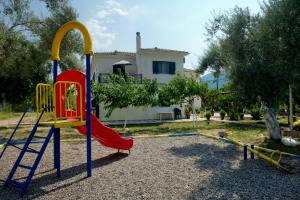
61	33
46	99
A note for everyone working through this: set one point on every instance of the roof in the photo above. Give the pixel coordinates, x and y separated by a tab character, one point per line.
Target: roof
116	53
155	49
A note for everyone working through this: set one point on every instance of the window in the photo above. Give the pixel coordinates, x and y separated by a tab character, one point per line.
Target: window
163	67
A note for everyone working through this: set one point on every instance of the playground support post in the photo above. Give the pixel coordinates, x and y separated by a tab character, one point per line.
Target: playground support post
56	135
252	154
88	115
245	152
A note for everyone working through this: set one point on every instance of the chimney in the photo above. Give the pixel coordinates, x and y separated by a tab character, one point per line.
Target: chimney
138	41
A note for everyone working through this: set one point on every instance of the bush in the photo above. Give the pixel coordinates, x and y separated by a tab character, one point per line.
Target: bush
208	115
222	114
233	115
187	111
255	112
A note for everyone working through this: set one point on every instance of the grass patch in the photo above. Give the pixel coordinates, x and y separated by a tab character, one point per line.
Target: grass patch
244	133
8	115
271	144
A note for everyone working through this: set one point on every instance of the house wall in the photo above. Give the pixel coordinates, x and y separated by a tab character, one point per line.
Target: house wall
103	63
145	65
142	64
137	113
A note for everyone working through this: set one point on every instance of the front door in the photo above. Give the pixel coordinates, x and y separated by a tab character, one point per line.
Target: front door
119	69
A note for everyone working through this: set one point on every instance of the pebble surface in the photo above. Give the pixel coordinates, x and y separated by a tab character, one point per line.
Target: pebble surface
162	168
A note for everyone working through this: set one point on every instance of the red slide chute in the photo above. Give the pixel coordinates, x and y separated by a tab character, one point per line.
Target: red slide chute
103	134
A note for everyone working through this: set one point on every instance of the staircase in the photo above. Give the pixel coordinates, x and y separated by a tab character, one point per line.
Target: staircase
23	186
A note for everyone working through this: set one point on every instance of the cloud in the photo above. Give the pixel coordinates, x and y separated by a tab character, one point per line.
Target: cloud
98	24
101	37
115	7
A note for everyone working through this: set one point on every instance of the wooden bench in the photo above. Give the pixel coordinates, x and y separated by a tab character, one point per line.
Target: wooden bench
160	114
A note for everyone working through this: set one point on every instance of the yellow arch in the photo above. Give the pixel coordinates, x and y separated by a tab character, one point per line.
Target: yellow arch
61	33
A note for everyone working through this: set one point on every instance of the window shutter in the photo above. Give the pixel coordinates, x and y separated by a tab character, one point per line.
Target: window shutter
155	67
172	68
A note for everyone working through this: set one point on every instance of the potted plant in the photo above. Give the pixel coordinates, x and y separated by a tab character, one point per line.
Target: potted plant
222	114
187	111
207	116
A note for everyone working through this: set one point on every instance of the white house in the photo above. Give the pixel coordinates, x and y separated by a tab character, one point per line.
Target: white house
151	63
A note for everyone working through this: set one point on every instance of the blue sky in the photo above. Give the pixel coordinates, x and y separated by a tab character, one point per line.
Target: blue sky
170	24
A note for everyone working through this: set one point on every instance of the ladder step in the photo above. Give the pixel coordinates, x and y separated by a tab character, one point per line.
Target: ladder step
15	183
30	150
39	137
13	145
24	166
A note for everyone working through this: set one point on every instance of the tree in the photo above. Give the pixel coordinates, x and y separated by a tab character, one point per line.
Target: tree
26	40
123	91
181	89
262	53
213	61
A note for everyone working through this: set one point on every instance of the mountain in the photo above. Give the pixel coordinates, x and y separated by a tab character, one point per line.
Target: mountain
211	80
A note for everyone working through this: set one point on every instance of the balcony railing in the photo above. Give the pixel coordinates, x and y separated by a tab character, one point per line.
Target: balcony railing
102	78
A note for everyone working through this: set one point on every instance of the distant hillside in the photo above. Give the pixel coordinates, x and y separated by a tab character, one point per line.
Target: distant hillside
211	80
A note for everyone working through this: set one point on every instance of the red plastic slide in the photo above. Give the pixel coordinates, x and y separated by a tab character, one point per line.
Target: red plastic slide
106	136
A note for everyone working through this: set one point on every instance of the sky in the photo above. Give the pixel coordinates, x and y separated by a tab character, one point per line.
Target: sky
169	24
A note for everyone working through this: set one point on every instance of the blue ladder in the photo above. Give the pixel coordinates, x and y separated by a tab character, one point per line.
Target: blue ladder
26	149
8	143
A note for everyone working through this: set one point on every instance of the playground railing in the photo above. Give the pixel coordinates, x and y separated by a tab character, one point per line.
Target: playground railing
62	101
44	100
68	100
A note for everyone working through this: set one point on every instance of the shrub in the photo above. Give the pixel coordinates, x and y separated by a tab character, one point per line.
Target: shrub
255	112
187	111
233	115
222	114
208	115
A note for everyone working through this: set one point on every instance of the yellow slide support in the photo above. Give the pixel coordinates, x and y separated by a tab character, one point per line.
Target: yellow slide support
88	50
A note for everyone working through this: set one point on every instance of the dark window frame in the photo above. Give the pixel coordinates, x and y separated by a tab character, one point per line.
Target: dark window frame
159	67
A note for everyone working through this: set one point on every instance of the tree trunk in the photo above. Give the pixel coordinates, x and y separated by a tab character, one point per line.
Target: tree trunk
271	121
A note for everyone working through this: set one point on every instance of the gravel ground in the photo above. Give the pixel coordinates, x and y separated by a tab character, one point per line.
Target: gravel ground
162	168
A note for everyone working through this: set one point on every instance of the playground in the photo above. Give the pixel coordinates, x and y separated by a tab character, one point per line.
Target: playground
193	167
112	166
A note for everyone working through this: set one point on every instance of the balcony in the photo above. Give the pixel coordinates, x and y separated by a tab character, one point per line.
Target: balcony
102	78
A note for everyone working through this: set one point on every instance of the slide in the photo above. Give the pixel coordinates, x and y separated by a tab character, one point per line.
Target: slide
106	136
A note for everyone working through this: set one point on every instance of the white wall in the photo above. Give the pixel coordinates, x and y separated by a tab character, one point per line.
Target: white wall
145	64
136	113
103	63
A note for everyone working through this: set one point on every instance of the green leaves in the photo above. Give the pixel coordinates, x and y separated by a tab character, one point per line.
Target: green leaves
181	89
26	40
122	91
260	51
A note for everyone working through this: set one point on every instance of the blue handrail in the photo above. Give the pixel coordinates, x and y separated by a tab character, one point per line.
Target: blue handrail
13	133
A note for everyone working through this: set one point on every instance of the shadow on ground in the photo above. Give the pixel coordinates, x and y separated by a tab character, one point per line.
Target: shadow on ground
229	177
50	179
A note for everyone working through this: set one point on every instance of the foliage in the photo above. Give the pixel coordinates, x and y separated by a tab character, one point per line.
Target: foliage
212	60
233	114
222	114
181	89
209	98
208	115
261	52
25	41
187	111
122	91
255	112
